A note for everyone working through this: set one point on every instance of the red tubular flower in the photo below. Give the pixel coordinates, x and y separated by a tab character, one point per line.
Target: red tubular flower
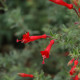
25	75
26	38
75	62
46	52
76	77
79	10
61	2
70	62
72	71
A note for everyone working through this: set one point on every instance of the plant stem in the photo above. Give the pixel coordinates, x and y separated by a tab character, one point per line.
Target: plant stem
76	12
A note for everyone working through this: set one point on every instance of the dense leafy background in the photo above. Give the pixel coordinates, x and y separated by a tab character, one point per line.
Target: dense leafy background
37	17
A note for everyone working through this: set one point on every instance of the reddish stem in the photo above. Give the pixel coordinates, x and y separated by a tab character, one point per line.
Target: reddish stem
76	12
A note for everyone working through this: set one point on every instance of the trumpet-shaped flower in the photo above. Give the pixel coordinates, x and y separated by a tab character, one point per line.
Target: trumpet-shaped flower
72	71
27	38
61	2
76	77
46	52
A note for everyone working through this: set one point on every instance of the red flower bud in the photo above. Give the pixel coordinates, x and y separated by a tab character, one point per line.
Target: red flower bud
66	54
70	62
72	71
26	38
76	23
75	62
61	2
25	75
46	52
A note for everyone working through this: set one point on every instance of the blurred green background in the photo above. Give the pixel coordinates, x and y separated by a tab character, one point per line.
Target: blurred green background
37	17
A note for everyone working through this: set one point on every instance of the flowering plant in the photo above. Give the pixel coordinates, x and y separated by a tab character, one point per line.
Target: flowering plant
74	72
51	42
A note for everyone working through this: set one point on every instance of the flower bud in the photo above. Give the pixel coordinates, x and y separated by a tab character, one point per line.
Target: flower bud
25	75
70	62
